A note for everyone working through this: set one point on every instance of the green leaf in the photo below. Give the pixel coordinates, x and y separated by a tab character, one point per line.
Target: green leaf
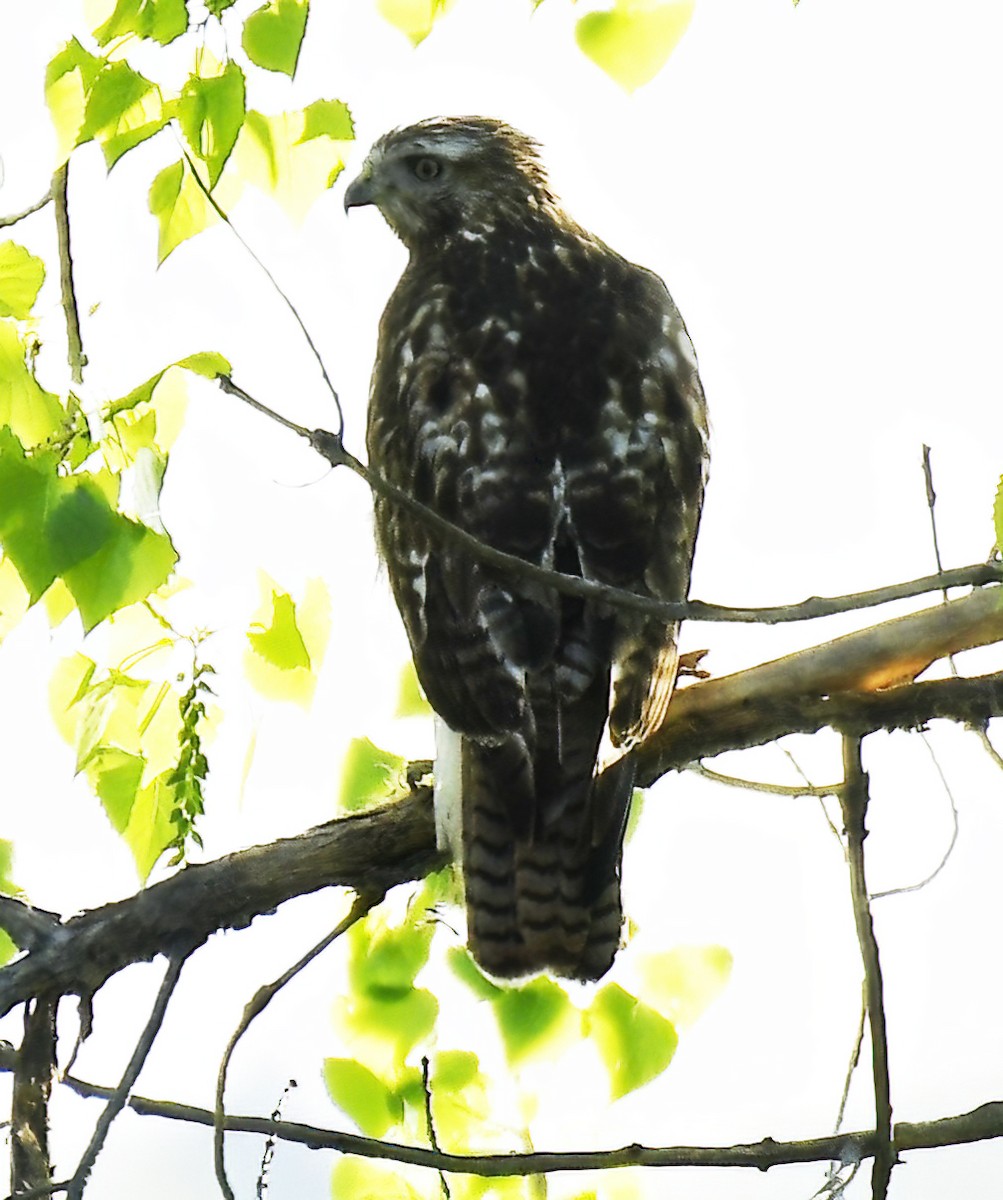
414	18
682	982
68	79
150	831
160	20
327	118
211	113
9	888
115	776
359	1179
123	109
32	413
635	1042
218	7
273	34
454	1069
281	643
411	700
362	1096
530	1017
274	155
180	206
386	959
21	277
367	774
133	562
469	973
52	525
998	514
398	1019
633	41
207	363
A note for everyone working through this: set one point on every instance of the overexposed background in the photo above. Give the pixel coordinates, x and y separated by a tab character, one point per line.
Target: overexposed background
821	189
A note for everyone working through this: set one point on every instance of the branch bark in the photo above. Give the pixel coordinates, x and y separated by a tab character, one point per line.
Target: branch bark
378	849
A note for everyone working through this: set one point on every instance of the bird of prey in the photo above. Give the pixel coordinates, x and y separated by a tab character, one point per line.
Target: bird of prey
539	391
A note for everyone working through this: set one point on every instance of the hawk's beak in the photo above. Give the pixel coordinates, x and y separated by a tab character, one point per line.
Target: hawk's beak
360	192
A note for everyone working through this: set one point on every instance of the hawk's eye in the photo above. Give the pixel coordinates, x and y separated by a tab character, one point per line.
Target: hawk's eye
426	169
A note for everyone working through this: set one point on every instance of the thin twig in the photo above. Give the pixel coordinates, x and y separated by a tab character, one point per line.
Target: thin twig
834	1181
931	504
756	785
821	801
915	887
433	1140
329	445
75	350
275	284
255	1006
6	222
118	1099
854	797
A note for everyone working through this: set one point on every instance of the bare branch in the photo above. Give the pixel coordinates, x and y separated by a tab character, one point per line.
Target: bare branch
756	785
854	797
955	829
367	851
256	1005
75	350
224	217
981	1124
433	1139
331	447
6	222
118	1098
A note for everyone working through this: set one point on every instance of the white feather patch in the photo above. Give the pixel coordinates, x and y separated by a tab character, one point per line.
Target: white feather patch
448	771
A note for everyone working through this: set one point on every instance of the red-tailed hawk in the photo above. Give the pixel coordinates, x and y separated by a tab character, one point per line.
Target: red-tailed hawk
541	392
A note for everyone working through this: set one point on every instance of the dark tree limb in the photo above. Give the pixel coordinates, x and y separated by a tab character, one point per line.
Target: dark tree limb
853	799
375	850
368	852
34	1067
116	1101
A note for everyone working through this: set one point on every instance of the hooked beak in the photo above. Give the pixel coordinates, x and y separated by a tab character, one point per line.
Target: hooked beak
360	192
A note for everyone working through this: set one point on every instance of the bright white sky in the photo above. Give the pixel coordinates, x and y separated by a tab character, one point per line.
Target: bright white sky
821	189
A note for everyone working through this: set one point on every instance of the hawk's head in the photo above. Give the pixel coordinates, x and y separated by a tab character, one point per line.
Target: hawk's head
452	176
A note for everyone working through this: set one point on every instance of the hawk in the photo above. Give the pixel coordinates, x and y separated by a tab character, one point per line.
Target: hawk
540	392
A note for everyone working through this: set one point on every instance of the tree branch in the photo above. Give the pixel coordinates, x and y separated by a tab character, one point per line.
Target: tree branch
375	850
853	799
6	222
331	447
981	1124
256	1005
33	1067
119	1096
75	350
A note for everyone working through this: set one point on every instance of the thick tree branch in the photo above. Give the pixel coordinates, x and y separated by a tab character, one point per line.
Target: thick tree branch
33	1066
331	447
368	852
837	684
375	850
853	799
